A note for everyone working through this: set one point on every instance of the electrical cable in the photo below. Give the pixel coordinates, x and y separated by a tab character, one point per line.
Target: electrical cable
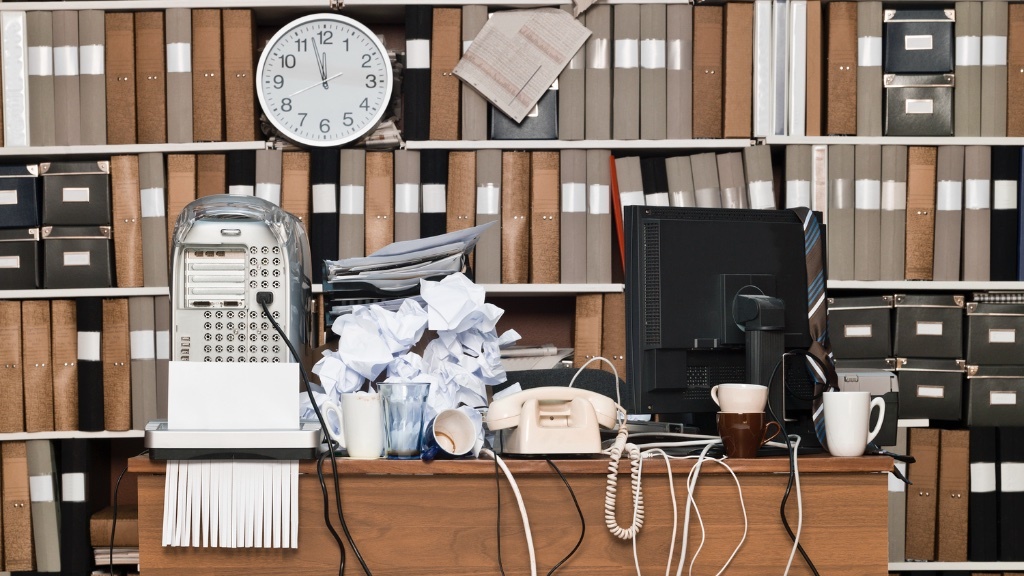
113	522
497	492
522	508
264	301
327	509
583	522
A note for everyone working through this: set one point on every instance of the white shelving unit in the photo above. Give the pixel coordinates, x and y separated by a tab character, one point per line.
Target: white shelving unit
967	566
536	289
43	293
922	285
898	140
113	149
62	435
618	145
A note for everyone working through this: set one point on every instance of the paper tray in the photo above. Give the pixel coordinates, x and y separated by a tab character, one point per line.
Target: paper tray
301	444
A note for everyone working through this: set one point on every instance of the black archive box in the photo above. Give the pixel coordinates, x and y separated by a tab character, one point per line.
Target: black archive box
919	40
996	396
995	334
860	327
76	193
929	326
931	388
881	383
540	124
19	259
19	196
77	257
918	105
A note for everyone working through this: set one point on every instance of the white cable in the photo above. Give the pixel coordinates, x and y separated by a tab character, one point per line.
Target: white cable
675	511
690	502
522	508
613	479
795	438
618	395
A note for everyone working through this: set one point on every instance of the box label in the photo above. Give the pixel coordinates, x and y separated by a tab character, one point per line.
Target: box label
925	391
1002	336
76	258
917	42
8	197
75	194
10	262
1002	398
918	106
929	328
857	331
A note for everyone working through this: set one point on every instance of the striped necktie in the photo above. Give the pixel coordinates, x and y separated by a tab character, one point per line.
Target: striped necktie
822	367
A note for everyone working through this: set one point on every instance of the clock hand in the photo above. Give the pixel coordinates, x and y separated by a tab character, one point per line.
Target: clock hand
321	66
323	71
311	86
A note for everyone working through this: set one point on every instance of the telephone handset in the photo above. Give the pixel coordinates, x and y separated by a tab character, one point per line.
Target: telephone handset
552	420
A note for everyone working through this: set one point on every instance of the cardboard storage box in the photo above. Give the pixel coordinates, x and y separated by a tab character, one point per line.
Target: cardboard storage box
860	327
77	257
995	334
919	40
19	196
918	105
19	259
996	396
931	388
929	326
880	383
76	193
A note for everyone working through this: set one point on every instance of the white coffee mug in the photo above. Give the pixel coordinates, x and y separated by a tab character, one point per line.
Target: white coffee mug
363	422
847	415
742	398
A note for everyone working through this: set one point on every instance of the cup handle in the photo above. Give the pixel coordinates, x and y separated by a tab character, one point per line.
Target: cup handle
880	402
766	437
326	409
714	395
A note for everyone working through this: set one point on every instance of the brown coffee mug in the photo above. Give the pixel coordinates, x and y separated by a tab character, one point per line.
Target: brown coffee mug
744	432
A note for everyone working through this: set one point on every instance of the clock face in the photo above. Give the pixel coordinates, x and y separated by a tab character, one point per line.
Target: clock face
324	80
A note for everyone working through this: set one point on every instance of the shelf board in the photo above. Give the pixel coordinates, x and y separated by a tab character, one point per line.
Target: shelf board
536	289
652	145
901	140
941	566
60	435
912	285
82	293
111	149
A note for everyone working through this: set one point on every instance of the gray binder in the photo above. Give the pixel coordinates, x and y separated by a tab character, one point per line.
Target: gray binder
893	235
798	175
92	81
757	165
268	175
967	90
678	70
977	213
680	182
573	232
653	112
352	203
571	91
869	68
407	195
40	78
488	209
705	180
599	217
153	186
626	75
45	504
474	106
841	198
949	179
178	36
730	180
143	360
66	93
867	221
898	502
598	124
994	19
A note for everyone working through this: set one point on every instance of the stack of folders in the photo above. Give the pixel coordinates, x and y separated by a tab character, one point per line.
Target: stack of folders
95	77
913	212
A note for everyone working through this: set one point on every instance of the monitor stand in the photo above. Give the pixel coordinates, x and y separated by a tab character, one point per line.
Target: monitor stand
763	319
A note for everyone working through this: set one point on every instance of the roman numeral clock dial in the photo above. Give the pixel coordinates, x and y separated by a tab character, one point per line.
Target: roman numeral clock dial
324	80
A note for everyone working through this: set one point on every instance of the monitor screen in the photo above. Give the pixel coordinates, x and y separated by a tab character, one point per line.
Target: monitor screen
684	268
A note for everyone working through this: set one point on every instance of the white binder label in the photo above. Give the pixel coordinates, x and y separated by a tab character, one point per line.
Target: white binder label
869	51
465	45
75	195
918	106
152	202
488	199
40	61
894	195
600	199
89	346
72	487
798	193
241	190
163	345
948	195
417	54
929	328
674	54
352	198
867	195
968	51
631	198
434	199
271	192
925	391
626	53
8	197
983	477
1011	476
40	488
407	198
598	50
857	331
993	50
652	54
762	197
1004	195
143	345
976	195
76	259
10	262
1002	336
91	60
65	61
574	197
1002	398
325	199
917	42
657	199
179	57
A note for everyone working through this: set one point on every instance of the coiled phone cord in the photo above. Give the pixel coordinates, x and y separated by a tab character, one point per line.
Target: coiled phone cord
615	454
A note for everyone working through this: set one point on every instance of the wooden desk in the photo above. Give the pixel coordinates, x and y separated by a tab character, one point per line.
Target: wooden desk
410	518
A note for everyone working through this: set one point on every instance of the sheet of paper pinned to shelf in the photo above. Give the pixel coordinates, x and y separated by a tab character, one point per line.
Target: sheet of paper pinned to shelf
580	6
533	357
518	55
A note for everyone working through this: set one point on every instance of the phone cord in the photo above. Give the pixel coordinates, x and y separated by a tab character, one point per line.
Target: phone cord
613	479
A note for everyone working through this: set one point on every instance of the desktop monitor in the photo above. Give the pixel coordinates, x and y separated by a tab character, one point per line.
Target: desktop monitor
684	270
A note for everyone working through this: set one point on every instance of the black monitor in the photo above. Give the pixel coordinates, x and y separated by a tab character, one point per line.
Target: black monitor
685	268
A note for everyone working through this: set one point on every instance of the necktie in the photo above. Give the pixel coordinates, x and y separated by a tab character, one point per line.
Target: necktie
822	368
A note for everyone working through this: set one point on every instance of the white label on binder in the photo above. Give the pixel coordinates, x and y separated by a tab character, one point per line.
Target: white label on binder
983	477
76	259
65	61
867	195
632	198
600	199
143	345
91	60
652	54
89	346
574	197
1011	476
8	197
798	193
75	195
72	487
869	51
179	57
163	345
352	199
857	331
241	190
40	488
626	53
918	106
926	391
152	202
1002	398
968	51
407	198
1002	336
917	42
894	195
465	45
993	50
674	54
325	199
417	54
1004	195
598	50
10	262
269	191
40	61
929	328
488	199
948	196
762	197
434	199
976	195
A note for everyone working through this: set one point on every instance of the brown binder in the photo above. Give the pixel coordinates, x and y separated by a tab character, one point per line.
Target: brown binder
1015	71
515	217
35	357
920	212
445	51
707	71
12	383
545	218
115	354
295	186
120	83
841	103
613	332
127	201
815	42
181	189
953	493
380	200
64	358
461	200
587	339
923	493
239	76
207	77
739	69
19	552
211	175
150	88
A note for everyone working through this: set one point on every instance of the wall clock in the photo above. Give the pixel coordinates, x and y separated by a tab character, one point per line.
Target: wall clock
324	80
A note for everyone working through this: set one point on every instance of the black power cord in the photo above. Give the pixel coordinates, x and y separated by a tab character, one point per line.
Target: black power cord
113	522
264	299
583	523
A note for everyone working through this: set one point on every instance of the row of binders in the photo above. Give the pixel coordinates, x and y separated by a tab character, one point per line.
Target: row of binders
91	77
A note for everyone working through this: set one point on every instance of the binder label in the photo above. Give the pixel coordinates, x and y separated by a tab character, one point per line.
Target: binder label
324	199
917	42
1002	336
241	190
626	53
867	195
918	106
857	331
434	196
407	198
948	195
271	192
1002	398
91	60
40	488
652	54
869	51
1011	476
993	50
894	195
72	487
926	391
10	262
1004	195
143	345
417	54
352	199
8	197
40	61
179	57
152	202
65	61
574	197
76	258
598	50
75	195
600	199
488	199
983	477
968	51
976	195
929	328
762	196
89	346
798	193
163	345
